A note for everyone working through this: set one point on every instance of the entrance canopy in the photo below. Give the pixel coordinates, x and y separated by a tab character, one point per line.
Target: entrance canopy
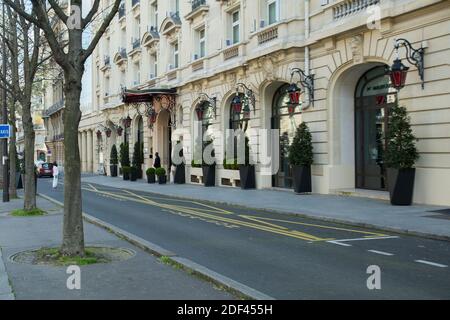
147	95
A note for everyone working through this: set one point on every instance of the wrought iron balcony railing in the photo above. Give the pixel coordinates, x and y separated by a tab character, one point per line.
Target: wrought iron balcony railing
198	3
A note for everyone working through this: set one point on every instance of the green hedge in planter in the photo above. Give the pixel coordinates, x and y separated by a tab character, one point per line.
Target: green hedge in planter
160	172
400	156
150	172
301	158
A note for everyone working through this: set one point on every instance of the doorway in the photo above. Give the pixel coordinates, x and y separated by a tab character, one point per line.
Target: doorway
373	100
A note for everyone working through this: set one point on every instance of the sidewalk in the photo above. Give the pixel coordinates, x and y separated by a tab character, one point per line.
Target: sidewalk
141	277
418	219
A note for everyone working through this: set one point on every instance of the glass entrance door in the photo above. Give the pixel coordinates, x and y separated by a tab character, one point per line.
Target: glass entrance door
287	125
372	104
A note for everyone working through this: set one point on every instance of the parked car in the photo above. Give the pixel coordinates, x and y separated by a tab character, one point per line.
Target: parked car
45	170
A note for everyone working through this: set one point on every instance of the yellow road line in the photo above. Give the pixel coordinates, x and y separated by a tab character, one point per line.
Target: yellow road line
293	234
371	234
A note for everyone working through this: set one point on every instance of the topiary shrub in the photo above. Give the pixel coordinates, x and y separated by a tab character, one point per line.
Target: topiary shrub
401	151
150	172
124	155
113	156
301	149
160	172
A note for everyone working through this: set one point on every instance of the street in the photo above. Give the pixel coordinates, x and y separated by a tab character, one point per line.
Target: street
280	255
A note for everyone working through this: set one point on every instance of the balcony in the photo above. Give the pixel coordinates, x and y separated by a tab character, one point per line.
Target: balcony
121	58
135	48
53	109
106	63
349	7
134	3
150	39
267	35
199	7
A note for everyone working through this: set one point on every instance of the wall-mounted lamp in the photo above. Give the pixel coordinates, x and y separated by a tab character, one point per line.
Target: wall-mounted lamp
248	102
399	71
294	91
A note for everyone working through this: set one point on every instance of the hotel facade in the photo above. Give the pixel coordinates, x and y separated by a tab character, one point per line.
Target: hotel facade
187	54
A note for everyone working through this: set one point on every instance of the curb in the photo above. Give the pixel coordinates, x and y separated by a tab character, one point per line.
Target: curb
232	286
315	217
6	292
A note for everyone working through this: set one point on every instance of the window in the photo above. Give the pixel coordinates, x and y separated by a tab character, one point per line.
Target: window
272	11
235	27
202	43
175	56
154	15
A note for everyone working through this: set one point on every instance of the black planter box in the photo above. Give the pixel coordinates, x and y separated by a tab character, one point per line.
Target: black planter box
180	175
19	182
133	175
209	176
162	179
302	179
113	170
401	186
126	176
151	178
247	175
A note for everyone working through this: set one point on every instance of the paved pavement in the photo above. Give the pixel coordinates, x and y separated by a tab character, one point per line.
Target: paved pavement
141	277
417	219
282	256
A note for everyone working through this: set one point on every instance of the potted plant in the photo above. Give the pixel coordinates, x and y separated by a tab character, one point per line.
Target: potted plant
180	171
401	154
137	162
151	175
209	170
133	173
113	161
246	170
301	159
161	173
124	157
126	173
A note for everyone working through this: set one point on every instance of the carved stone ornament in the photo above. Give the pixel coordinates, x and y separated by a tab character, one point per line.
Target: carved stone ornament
356	46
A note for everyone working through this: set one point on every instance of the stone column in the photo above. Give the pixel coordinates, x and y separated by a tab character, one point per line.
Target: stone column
84	152
89	152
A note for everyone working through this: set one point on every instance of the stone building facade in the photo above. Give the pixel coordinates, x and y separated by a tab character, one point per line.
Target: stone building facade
211	46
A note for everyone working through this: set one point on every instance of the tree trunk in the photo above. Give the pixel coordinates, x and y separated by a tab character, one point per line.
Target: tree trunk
73	236
12	153
30	175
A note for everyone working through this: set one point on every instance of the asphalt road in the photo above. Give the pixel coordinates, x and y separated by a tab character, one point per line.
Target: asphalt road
283	256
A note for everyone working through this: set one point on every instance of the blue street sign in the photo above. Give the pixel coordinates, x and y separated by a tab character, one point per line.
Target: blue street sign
5	131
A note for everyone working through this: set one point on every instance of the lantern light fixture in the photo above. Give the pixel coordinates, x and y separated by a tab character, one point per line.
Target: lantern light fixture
294	91
127	122
108	132
119	131
248	101
99	134
399	71
210	103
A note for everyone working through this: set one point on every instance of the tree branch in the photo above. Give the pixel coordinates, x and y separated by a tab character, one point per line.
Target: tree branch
101	31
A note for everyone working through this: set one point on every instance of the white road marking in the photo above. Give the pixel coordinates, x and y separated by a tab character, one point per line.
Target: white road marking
362	239
340	244
381	252
431	263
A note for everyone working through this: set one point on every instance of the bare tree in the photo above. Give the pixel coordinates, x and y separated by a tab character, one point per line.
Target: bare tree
72	61
23	41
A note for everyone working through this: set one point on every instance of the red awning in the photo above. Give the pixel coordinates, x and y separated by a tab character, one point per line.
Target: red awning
143	96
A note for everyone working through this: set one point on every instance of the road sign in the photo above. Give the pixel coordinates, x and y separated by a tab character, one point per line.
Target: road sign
5	131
